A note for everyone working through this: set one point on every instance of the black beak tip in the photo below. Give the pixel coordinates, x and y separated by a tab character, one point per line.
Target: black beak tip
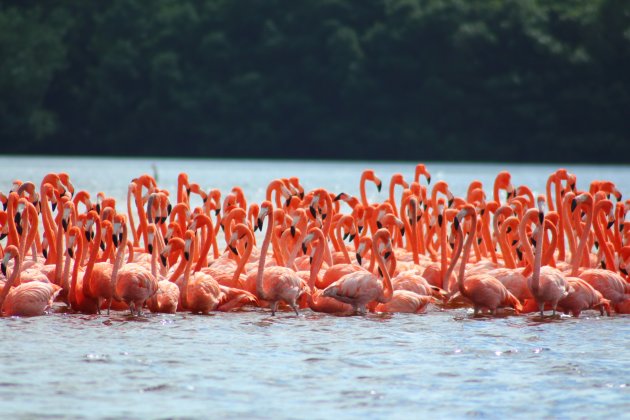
379	186
402	231
610	224
71	252
450	203
217	211
233	249
387	254
440	218
4	269
311	209
624	271
293	231
573	204
338	197
358	258
541	217
150	248
456	223
186	255
163	260
379	224
304	249
428	180
351	238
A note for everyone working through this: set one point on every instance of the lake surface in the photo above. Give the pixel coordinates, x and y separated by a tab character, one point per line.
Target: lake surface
251	365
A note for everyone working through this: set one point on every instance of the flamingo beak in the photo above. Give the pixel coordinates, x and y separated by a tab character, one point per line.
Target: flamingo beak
429	180
304	248
379	186
163	260
573	204
358	258
351	238
150	248
3	268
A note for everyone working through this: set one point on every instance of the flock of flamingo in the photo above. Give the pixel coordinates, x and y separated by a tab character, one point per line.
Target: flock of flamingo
566	250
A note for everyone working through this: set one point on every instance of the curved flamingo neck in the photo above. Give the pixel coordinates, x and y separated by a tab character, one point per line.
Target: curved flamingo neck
549	245
120	254
466	253
341	244
506	250
11	210
15	274
599	233
525	245
568	228
575	259
263	255
388	289
73	292
187	271
318	258
538	255
49	225
92	257
249	244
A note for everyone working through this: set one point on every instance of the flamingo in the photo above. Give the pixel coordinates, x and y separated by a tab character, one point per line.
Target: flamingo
362	287
316	300
27	299
275	284
483	290
547	284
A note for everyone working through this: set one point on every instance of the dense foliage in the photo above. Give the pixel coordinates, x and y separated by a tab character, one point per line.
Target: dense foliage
512	80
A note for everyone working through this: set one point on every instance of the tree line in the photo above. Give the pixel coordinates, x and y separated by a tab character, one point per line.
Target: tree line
497	80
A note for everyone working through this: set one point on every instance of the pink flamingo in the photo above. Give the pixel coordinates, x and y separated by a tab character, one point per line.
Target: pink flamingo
485	291
27	299
362	287
275	284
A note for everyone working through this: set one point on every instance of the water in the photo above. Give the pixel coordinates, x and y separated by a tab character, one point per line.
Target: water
252	365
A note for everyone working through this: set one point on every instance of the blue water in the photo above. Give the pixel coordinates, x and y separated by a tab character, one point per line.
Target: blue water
251	365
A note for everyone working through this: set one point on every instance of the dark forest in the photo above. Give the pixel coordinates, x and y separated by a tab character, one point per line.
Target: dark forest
486	80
